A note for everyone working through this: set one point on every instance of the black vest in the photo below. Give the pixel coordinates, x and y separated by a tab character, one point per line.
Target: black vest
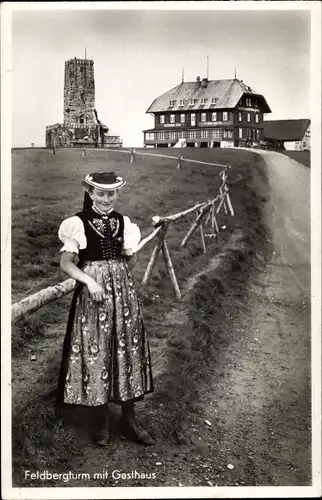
104	234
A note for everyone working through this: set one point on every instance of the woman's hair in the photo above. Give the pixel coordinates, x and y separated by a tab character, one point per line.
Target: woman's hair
88	202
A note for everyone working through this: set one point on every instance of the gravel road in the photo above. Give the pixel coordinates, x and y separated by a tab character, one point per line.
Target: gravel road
269	390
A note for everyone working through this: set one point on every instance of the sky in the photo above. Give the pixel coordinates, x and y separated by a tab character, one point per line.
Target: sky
138	55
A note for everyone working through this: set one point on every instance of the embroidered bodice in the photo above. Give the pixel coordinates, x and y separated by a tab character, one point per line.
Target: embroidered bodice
96	236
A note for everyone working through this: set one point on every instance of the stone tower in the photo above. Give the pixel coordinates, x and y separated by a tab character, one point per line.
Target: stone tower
79	91
81	125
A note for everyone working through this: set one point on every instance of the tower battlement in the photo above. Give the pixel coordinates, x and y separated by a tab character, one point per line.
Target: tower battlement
79	91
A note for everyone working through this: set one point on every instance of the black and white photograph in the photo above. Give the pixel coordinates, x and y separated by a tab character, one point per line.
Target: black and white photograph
161	249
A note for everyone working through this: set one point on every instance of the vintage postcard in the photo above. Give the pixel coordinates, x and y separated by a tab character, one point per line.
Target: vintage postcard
161	249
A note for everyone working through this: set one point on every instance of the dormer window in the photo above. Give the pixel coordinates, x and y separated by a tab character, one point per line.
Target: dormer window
214	100
172	102
181	102
193	101
204	100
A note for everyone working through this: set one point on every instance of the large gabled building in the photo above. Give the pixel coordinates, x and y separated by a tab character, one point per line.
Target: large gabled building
207	113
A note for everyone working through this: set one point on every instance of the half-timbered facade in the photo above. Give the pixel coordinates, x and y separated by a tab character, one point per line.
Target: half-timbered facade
207	113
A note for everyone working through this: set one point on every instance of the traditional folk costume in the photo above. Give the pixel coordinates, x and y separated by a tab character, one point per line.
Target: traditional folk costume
106	355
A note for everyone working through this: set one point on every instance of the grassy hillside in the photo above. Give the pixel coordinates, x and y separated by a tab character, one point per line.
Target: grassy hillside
303	157
46	189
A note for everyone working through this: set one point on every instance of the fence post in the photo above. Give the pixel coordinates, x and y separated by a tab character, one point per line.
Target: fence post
232	212
204	249
194	226
133	159
180	162
221	202
155	253
223	199
169	266
214	220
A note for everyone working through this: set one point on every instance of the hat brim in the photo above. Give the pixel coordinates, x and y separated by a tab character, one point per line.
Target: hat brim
103	187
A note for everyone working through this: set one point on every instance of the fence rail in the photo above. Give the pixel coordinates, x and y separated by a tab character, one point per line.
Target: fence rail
179	158
206	214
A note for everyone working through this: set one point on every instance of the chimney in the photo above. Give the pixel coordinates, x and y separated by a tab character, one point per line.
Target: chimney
198	79
204	82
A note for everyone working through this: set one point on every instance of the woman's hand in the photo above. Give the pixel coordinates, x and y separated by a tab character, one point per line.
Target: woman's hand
67	264
131	260
97	292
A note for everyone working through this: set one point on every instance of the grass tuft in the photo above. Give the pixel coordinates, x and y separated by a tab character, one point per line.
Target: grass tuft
27	329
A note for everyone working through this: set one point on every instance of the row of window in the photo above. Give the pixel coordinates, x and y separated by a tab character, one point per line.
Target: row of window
204	134
192	102
203	117
248	117
190	134
245	133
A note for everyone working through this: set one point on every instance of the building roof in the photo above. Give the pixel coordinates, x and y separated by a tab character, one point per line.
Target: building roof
286	130
112	133
226	92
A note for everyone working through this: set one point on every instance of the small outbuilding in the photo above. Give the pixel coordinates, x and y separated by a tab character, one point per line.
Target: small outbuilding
292	135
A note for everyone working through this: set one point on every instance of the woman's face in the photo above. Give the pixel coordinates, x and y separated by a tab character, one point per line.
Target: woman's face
104	200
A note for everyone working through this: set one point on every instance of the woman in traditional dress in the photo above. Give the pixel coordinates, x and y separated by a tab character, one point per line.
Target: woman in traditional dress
106	355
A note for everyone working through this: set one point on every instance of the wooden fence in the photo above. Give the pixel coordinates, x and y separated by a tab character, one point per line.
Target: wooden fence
206	216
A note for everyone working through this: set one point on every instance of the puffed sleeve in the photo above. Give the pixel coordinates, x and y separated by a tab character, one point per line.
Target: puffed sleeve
132	237
71	232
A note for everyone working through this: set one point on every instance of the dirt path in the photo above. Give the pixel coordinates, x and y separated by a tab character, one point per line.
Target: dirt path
255	424
268	392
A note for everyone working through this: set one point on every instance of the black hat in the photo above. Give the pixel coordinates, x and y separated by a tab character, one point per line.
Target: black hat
108	181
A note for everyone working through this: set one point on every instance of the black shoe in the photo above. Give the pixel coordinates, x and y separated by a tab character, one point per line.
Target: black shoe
139	434
102	438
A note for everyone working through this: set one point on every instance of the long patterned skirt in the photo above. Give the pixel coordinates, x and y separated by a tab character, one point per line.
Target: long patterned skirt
106	355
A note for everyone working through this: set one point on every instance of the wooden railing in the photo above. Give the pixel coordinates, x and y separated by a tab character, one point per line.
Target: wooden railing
206	215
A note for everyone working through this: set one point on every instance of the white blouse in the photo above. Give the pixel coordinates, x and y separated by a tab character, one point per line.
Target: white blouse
72	233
